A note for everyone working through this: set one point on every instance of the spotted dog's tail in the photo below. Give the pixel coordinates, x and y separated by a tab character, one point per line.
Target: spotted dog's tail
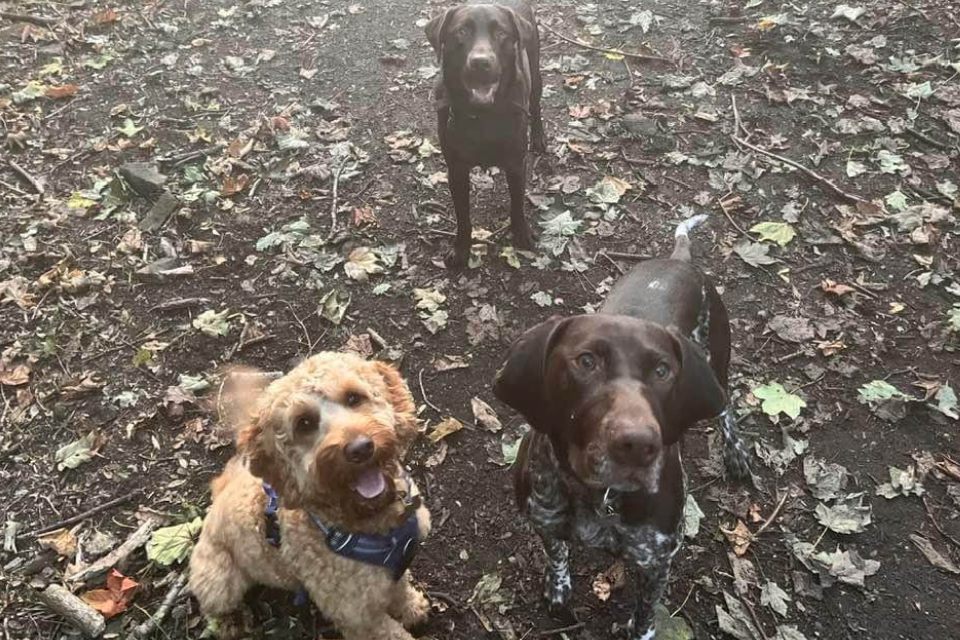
681	247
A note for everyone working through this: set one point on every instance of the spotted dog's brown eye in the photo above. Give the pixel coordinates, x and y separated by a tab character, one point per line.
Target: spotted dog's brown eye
354	399
662	371
305	424
587	361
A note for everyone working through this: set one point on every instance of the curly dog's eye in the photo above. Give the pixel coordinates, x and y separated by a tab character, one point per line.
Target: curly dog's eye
354	399
587	361
306	424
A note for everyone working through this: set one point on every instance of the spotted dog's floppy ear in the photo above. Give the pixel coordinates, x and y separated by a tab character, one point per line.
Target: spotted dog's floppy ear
520	382
398	395
435	29
525	33
696	393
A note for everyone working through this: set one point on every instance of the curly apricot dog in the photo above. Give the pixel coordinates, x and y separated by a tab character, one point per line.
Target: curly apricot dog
317	498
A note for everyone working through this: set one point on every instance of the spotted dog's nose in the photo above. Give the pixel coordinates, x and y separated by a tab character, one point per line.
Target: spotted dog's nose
635	447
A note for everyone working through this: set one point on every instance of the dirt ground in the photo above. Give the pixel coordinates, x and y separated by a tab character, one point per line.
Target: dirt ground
115	318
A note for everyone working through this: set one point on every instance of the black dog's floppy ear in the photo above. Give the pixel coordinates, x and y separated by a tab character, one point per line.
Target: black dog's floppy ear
525	33
435	29
520	381
696	394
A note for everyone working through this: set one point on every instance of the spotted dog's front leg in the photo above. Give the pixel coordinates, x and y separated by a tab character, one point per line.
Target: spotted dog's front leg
651	583
736	458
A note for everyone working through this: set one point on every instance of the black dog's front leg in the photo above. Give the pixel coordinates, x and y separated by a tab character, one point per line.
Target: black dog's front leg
458	175
519	228
651	583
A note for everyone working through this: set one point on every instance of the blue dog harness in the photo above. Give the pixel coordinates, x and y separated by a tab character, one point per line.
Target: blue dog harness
394	550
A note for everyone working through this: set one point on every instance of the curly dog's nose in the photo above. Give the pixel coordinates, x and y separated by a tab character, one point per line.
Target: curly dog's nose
358	450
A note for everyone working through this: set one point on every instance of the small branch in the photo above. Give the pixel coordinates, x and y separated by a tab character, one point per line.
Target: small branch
736	117
23	173
423	392
729	19
147	627
610	260
773	516
77	612
723	208
23	17
616	52
333	197
179	303
83	516
118	556
849	197
919	135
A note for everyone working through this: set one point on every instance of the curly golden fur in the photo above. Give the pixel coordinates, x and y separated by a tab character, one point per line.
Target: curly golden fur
295	435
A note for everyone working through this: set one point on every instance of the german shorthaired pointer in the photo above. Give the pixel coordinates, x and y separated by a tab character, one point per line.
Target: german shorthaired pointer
609	397
487	95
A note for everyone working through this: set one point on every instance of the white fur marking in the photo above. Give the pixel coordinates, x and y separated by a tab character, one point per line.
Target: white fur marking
684	227
657	285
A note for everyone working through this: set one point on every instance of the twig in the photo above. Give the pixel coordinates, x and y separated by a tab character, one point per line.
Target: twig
80	614
913	8
919	135
303	327
83	516
446	597
729	19
23	173
559	630
23	17
423	392
610	260
756	620
616	52
723	208
118	556
627	256
937	526
693	586
377	338
736	117
849	197
179	303
773	515
333	197
146	628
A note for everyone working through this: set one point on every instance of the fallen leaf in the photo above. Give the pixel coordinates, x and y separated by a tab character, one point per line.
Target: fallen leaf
72	455
169	545
935	558
830	286
609	580
771	595
692	515
62	91
827	480
903	482
739	537
777	400
14	377
115	598
947	402
333	306
754	254
444	429
106	16
791	329
213	323
845	517
736	621
233	185
485	416
361	264
778	232
62	541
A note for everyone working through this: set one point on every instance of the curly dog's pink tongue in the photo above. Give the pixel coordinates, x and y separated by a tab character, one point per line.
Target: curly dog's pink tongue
371	483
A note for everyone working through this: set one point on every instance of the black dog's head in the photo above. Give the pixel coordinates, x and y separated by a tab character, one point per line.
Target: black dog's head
611	392
482	49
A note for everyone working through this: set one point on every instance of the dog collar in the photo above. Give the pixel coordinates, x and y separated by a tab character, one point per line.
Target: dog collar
393	550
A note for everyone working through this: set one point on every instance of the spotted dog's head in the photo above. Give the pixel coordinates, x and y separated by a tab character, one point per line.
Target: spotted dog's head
329	435
611	392
481	50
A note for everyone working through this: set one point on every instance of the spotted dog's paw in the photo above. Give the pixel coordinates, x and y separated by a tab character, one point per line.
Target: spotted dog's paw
647	633
557	588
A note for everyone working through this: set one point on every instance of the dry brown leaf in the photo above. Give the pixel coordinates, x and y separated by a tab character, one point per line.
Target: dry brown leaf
62	91
739	537
239	147
836	288
608	581
14	376
363	216
114	599
444	429
107	16
234	185
62	541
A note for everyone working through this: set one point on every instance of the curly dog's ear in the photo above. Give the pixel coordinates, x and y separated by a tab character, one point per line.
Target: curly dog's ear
258	444
398	395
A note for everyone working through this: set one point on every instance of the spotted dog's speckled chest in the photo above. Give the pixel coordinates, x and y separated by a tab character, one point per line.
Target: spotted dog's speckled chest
559	506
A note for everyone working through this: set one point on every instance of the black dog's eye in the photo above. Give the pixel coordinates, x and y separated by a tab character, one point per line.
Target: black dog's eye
662	371
587	361
463	33
305	424
353	399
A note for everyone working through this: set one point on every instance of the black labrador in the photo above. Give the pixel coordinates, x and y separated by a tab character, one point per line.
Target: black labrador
487	95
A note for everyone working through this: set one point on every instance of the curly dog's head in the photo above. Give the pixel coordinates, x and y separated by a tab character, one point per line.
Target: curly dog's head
330	434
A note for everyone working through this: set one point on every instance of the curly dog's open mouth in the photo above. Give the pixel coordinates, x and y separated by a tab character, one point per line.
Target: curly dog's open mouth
371	483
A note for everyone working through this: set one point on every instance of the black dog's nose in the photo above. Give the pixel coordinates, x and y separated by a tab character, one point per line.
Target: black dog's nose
635	448
480	61
358	450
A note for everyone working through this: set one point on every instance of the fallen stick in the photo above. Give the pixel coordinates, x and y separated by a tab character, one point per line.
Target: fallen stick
77	612
118	556
179	303
23	17
616	52
333	198
147	626
23	173
849	197
82	516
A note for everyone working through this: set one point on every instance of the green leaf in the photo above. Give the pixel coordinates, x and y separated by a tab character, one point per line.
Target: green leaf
779	232
692	515
671	627
608	191
896	200
72	455
142	357
80	201
947	402
542	298
557	232
173	544
196	383
97	62
777	400
878	391
129	129
212	323
32	91
510	450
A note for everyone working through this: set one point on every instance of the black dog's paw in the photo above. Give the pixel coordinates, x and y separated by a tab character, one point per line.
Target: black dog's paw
538	144
456	260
